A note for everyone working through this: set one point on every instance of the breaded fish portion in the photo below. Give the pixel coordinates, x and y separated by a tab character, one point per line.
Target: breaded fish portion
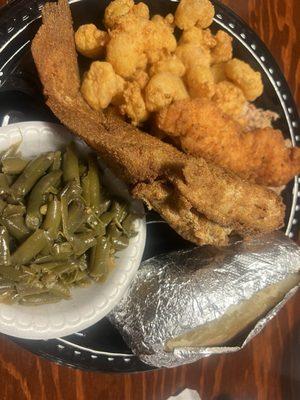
202	130
139	158
179	213
229	200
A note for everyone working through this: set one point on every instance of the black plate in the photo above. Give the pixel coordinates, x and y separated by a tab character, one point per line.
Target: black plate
101	347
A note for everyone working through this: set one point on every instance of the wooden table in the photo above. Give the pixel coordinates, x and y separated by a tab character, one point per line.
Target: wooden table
267	369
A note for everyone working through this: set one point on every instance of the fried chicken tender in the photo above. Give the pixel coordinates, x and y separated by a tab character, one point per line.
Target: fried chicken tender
162	89
222	52
173	207
242	75
194	12
198	37
118	9
259	156
218	71
171	64
90	41
200	81
134	105
100	85
191	55
229	98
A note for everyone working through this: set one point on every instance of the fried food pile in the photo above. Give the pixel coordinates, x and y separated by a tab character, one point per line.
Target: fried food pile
140	67
194	91
201	201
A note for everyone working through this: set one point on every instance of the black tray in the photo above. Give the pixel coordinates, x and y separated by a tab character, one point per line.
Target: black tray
100	347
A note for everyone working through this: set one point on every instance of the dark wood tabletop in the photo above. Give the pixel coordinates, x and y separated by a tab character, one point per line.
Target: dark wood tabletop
267	369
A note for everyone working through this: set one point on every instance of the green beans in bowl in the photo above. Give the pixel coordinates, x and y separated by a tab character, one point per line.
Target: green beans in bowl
59	227
71	236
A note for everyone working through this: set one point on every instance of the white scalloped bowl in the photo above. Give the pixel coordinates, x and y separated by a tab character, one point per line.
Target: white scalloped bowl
87	305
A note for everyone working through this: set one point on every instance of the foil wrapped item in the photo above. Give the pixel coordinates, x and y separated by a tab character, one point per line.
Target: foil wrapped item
189	304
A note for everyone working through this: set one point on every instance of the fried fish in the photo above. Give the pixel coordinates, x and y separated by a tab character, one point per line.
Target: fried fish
144	161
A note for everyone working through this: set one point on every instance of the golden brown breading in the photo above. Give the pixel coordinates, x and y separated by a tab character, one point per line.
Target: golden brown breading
229	98
242	75
194	12
90	41
247	209
203	130
179	213
223	50
134	155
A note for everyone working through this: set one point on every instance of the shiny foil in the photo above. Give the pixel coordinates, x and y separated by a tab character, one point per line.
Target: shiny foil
174	293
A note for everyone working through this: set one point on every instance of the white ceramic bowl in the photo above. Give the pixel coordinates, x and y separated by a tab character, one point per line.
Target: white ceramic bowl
87	305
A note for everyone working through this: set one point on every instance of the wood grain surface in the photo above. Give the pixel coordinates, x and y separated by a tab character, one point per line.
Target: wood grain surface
267	369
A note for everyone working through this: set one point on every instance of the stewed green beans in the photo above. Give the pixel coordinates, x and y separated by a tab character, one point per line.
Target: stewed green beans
59	227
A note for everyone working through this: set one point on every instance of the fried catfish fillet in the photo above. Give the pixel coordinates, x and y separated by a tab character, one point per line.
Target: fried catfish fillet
203	130
139	158
180	214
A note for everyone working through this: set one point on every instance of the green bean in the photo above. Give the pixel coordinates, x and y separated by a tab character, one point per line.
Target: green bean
12	151
56	165
81	242
62	251
97	225
13	165
47	266
41	298
113	232
16	227
12	274
85	184
74	276
4	186
10	179
72	192
52	220
95	197
76	216
118	240
82	169
26	290
120	212
107	217
120	243
30	248
31	174
84	282
61	268
61	289
70	165
3	204
128	225
4	246
13	209
8	296
36	198
99	259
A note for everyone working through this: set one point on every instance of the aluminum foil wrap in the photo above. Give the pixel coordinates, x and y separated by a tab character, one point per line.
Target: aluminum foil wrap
176	293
